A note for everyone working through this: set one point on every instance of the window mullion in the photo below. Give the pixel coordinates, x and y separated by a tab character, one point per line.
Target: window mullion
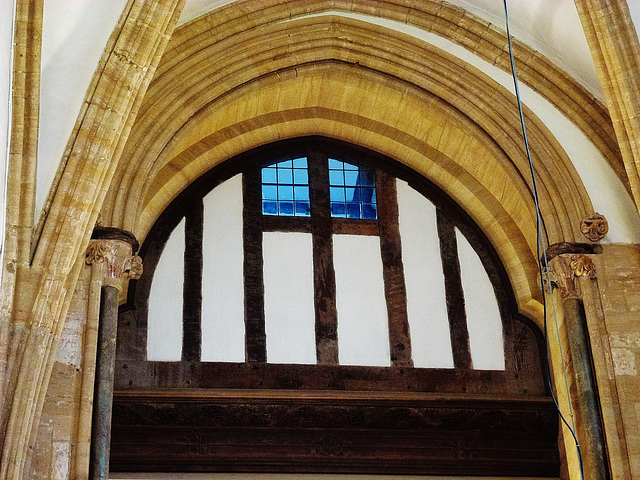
393	270
324	274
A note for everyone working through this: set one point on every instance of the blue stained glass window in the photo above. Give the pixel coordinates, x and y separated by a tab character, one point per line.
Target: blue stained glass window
285	188
352	190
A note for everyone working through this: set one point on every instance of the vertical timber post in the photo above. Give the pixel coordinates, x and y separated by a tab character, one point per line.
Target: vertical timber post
565	267
112	250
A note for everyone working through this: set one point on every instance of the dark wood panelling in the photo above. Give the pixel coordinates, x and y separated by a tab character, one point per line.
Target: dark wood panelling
393	270
453	292
289	432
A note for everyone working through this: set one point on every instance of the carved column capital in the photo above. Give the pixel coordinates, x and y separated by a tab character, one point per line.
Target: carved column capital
565	268
113	249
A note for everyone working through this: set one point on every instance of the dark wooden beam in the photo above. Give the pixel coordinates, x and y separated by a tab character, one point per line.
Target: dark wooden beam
192	290
393	270
255	335
453	292
323	271
340	378
561	248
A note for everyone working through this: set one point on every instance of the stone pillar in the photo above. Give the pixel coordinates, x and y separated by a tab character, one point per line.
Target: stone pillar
112	250
615	49
565	268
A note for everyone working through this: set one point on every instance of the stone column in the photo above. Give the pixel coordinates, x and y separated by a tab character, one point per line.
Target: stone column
565	268
112	249
615	49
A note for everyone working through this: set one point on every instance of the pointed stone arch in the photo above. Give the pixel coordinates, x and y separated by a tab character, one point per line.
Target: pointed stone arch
348	79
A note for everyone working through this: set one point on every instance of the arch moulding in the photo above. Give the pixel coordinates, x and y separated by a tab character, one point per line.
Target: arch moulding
446	121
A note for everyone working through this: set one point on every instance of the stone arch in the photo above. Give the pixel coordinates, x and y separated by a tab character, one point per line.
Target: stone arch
327	76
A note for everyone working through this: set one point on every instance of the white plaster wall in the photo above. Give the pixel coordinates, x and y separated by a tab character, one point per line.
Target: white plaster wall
195	8
289	297
7	7
483	315
551	27
363	325
164	321
74	36
424	279
222	274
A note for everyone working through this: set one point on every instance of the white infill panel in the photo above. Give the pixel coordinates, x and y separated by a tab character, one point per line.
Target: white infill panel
288	297
483	315
222	274
164	322
363	326
426	303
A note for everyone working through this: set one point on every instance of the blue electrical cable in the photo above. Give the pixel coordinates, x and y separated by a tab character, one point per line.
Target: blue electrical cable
539	243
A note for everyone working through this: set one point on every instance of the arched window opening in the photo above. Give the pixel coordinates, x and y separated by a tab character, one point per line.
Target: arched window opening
311	292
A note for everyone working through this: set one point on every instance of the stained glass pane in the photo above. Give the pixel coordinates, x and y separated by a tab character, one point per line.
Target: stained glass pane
269	175
301	193
269	192
353	194
337	194
285	188
351	178
300	163
336	177
353	210
270	208
368	195
345	180
366	178
335	164
300	176
285	176
338	209
285	192
303	209
369	211
286	208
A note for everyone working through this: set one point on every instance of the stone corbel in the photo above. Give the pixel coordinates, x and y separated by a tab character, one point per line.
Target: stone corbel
114	250
564	269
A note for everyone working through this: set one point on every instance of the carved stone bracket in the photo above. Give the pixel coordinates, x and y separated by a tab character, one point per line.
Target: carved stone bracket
113	248
595	227
563	270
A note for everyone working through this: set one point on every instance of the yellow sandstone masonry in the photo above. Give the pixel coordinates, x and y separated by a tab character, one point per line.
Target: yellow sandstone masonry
616	52
129	66
256	71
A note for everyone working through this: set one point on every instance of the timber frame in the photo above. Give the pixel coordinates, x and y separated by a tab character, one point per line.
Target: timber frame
213	416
